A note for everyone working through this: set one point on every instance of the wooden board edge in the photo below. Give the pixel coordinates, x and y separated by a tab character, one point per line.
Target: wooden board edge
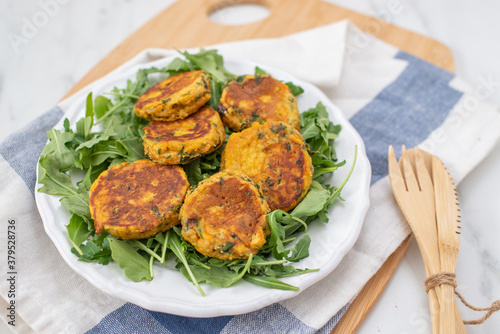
368	296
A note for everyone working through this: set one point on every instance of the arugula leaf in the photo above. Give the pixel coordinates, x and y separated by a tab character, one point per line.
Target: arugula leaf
282	225
312	203
211	62
135	266
92	252
285	271
136	244
77	204
277	233
83	127
323	165
336	190
193	172
97	170
85	184
269	282
101	106
54	181
113	128
216	89
334	193
259	71
104	151
131	148
202	168
320	133
58	149
89	107
163	241
116	109
174	244
77	232
217	275
296	90
178	66
300	250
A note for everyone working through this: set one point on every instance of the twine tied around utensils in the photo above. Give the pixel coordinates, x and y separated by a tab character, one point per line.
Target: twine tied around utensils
450	279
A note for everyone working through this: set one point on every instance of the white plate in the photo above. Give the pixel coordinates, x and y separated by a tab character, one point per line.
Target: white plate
169	291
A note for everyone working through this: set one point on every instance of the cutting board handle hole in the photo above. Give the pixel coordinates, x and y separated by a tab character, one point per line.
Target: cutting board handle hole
237	12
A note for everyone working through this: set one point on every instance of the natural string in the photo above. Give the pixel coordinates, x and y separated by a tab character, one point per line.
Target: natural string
450	279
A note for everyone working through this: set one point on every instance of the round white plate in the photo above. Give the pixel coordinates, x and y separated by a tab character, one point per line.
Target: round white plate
169	291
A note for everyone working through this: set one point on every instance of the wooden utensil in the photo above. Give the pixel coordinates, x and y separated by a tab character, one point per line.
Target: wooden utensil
422	162
415	196
186	24
448	218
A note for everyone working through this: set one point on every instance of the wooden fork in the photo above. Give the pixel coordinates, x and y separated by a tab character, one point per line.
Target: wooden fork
414	193
416	200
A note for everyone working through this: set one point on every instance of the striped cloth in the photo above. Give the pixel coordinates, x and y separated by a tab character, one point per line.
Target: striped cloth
389	96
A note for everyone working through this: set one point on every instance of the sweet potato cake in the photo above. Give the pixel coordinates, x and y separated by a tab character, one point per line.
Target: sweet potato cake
175	97
181	141
225	217
257	98
275	157
135	200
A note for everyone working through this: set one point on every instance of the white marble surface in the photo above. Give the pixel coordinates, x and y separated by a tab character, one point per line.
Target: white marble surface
37	72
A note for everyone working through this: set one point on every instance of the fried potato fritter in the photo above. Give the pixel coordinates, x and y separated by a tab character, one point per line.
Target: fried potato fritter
175	97
257	98
135	200
225	217
179	142
275	157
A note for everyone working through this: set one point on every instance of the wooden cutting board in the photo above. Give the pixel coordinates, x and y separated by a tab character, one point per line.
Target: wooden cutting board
186	24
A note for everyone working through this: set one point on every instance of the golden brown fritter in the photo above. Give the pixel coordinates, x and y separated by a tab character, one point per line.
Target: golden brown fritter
275	157
179	142
225	217
135	200
257	98
175	97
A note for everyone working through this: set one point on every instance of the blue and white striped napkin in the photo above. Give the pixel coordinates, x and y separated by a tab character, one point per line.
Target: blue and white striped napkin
389	96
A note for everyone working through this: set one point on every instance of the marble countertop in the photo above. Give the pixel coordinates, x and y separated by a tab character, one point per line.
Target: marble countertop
77	34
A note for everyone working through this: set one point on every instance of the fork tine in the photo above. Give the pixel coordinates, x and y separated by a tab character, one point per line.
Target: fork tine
424	178
403	152
395	176
409	175
427	157
410	154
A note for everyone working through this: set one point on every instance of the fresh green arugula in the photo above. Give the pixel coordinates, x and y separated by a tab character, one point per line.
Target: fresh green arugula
111	133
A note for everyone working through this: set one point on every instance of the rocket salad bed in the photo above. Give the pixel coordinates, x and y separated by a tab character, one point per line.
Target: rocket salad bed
110	133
